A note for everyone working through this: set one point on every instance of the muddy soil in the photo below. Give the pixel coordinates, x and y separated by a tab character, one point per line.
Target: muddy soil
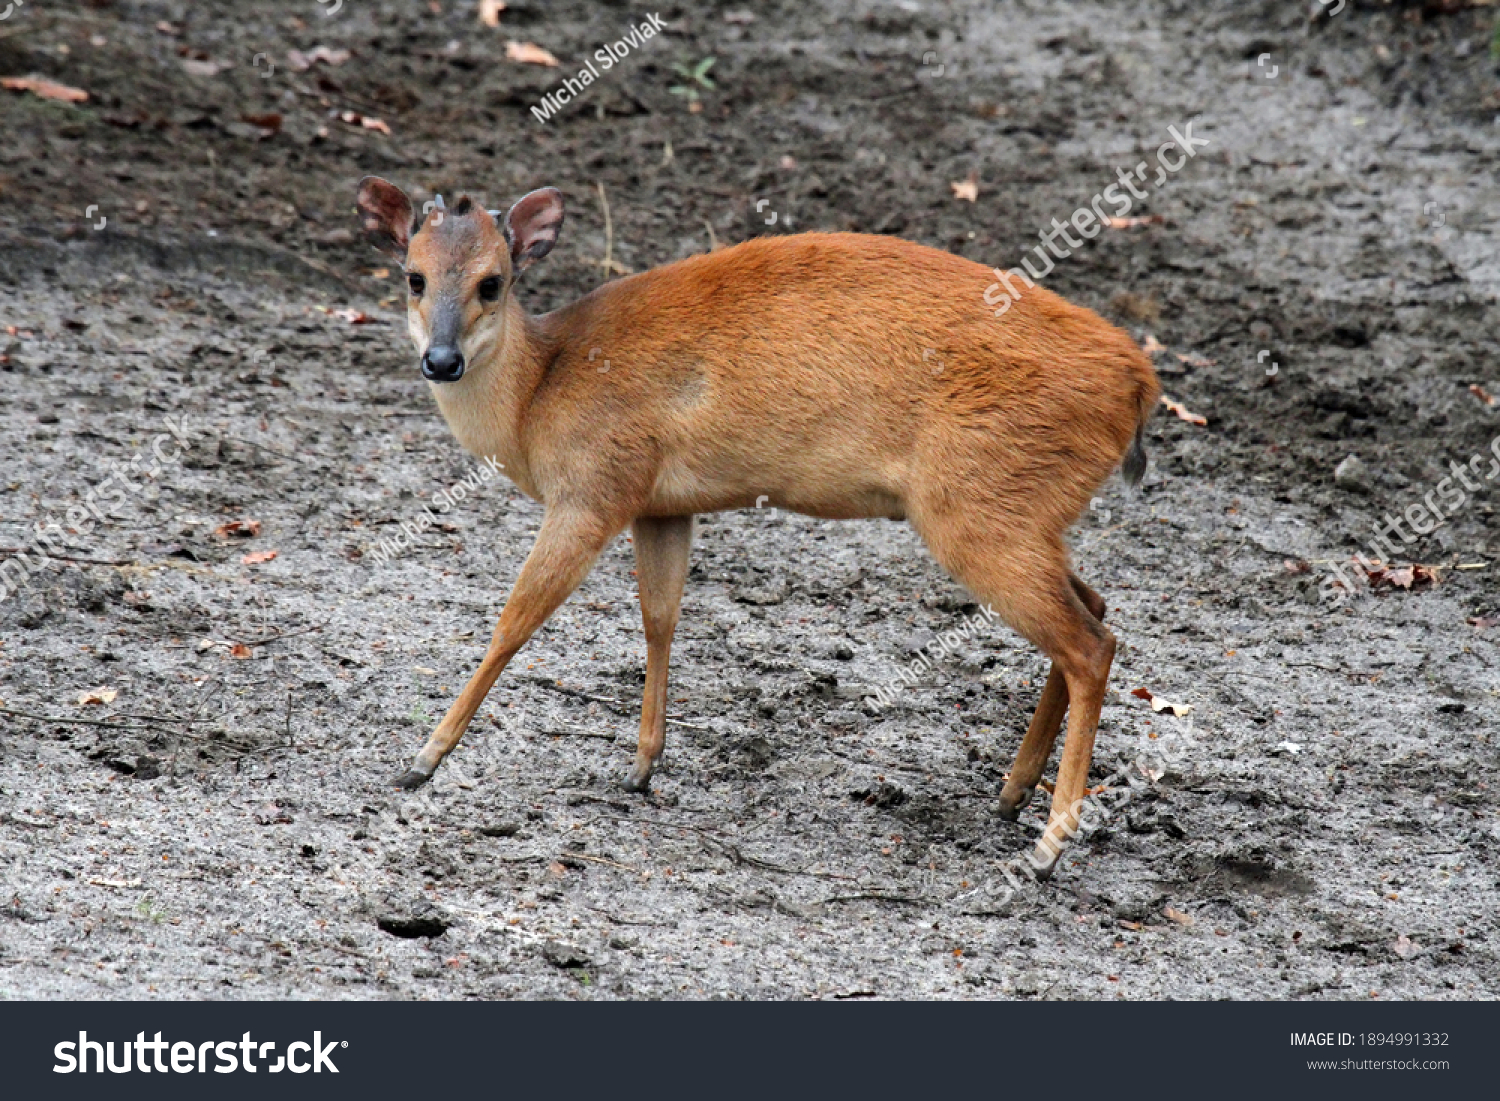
1321	277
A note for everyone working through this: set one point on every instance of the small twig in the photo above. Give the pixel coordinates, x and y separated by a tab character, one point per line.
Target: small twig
609	263
565	857
16	551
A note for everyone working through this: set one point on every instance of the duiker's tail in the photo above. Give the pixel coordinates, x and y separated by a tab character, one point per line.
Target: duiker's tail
1133	468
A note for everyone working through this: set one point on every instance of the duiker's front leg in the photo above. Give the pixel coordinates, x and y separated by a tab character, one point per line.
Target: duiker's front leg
565	550
661	566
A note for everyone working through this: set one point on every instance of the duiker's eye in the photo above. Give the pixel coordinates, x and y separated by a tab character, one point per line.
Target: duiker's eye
416	283
489	289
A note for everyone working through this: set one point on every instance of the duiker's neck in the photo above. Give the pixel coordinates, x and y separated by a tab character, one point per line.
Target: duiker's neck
486	408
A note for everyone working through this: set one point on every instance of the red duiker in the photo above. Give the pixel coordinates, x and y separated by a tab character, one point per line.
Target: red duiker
835	374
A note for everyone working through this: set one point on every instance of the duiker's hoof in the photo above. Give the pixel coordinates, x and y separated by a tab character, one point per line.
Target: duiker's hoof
639	778
1011	802
412	780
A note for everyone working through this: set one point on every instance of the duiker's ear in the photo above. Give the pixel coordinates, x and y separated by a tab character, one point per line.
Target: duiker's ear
531	226
385	215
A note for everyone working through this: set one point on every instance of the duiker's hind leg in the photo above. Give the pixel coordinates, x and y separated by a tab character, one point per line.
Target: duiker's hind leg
661	558
1036	747
1031	587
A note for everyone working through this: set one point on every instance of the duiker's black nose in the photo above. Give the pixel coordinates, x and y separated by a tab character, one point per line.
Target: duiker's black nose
443	363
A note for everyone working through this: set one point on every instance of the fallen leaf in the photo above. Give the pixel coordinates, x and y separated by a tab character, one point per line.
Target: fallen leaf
137	599
1481	393
167	28
95	696
267	124
1137	220
1176	915
100	881
1402	577
1181	412
966	190
354	317
1296	565
1161	703
1404	947
300	62
1196	361
245	529
489	12
240	650
424	670
195	67
354	118
254	558
1151	346
529	53
46	89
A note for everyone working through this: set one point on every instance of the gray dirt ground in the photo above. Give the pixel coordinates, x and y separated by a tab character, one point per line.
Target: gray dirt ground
223	828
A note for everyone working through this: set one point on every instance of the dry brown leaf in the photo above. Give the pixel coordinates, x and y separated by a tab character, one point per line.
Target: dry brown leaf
245	529
1174	914
1151	346
1481	393
1196	361
254	558
1402	577
1137	220
137	599
268	124
1161	703
240	650
354	317
529	53
489	12
1181	412
96	696
966	190
46	89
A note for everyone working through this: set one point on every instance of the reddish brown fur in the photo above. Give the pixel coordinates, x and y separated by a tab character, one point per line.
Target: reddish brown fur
838	375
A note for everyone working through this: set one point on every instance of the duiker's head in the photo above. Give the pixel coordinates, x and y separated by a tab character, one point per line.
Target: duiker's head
460	262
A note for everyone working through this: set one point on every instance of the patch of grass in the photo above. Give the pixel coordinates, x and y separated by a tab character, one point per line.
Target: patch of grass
694	77
148	909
